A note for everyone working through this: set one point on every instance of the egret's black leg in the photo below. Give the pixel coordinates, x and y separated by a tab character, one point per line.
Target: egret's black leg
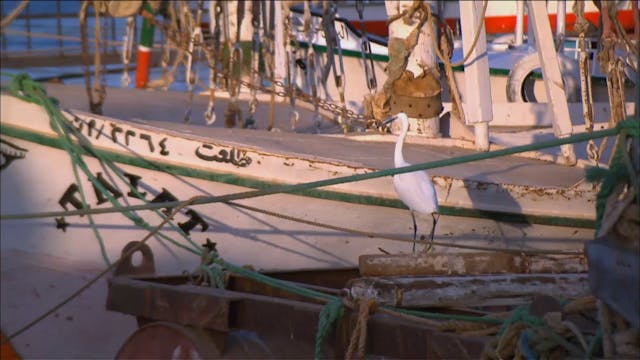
433	228
415	231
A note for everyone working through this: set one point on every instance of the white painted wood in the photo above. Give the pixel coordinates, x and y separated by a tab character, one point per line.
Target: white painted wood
561	21
551	73
477	95
519	22
540	114
279	48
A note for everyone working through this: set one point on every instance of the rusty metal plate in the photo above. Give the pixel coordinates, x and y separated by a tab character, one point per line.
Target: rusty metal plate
183	304
418	97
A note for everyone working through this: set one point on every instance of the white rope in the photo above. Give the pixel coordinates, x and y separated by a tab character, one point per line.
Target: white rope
127	49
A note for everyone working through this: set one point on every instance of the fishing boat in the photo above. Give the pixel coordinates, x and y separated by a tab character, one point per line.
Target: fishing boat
78	187
169	161
500	17
515	74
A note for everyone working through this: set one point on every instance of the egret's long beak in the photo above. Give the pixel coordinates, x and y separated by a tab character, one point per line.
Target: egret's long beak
389	120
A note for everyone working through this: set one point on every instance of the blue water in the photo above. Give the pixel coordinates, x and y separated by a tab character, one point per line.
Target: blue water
70	26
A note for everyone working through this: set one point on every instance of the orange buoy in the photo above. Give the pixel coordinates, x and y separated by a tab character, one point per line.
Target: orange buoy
7	352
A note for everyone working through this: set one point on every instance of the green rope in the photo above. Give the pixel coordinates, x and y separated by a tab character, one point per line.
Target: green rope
546	331
521	314
330	314
279	284
597	339
620	169
439	316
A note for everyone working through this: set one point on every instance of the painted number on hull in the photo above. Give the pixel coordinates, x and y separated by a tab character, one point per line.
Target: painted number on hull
118	133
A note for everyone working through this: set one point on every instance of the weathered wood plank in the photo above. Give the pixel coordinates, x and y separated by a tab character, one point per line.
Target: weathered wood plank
467	264
445	291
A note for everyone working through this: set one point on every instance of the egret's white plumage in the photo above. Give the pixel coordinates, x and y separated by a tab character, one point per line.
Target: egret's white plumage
415	189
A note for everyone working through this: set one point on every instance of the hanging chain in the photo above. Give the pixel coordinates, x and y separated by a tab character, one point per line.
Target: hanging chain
98	91
290	53
213	56
311	64
255	63
193	28
365	48
333	45
276	87
233	114
127	50
587	98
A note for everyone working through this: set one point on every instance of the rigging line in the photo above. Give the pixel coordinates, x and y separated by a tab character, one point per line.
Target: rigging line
84	287
14	14
57	125
59	37
402	239
287	188
476	36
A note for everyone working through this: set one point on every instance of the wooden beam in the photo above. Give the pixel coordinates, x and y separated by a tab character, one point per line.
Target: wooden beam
551	74
477	95
486	290
467	264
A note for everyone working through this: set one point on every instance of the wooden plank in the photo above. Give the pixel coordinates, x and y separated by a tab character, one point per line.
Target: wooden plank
201	307
446	291
551	74
467	264
550	67
614	276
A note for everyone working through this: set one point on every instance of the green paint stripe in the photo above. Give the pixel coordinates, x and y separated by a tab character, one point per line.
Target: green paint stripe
231	179
146	33
385	59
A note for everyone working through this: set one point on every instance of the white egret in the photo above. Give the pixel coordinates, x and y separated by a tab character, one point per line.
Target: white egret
415	189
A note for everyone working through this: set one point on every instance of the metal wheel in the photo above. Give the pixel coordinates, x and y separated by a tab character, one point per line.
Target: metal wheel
164	340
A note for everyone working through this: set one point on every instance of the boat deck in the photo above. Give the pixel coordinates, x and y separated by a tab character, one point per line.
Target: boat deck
359	149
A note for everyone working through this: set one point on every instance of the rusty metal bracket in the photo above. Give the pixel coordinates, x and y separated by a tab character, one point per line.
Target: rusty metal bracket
126	267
